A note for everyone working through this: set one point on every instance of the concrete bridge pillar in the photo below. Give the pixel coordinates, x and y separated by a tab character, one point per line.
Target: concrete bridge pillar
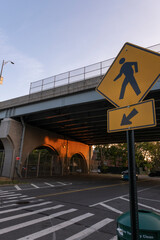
10	135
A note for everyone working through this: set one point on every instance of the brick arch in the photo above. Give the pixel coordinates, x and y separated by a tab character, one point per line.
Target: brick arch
42	163
80	162
47	146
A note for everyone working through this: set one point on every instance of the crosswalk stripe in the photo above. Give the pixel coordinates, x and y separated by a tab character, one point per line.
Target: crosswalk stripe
25	207
9	205
111	208
33	185
10	195
83	234
56	227
6	193
20	196
31	222
49	184
29	213
24	197
114	238
17	187
3	191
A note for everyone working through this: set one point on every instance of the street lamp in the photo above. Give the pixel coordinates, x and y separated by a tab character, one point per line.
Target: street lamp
3	63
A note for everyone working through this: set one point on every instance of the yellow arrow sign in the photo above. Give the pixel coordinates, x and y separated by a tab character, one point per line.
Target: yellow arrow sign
140	115
132	74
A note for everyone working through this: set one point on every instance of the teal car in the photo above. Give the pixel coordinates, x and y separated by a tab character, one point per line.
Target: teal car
125	175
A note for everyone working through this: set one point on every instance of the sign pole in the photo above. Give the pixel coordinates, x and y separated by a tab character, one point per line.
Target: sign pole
132	186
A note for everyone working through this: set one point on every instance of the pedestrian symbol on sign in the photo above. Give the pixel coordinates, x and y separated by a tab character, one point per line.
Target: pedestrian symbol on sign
127	70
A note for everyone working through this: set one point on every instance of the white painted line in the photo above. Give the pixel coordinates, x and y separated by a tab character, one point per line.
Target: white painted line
10	195
15	200
6	193
61	183
17	187
149	199
143	205
109	200
85	233
9	205
49	184
24	207
33	185
154	209
56	227
35	221
29	213
114	238
30	188
111	208
21	196
125	199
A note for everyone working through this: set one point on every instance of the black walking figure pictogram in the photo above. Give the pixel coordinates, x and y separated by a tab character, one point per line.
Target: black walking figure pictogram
127	70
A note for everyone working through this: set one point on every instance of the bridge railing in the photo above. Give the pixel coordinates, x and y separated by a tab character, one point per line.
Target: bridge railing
76	75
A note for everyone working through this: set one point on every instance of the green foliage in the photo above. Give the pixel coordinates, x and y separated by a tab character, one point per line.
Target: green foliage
112	152
147	154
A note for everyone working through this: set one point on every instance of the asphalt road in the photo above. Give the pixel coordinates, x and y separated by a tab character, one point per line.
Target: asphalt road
73	207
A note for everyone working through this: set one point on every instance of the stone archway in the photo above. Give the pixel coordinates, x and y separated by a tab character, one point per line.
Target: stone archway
78	164
43	161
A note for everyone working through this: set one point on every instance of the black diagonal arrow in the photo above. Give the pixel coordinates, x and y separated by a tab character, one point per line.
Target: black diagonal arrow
126	120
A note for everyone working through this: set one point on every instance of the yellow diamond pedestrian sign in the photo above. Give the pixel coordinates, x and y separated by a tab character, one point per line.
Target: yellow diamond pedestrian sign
131	76
136	116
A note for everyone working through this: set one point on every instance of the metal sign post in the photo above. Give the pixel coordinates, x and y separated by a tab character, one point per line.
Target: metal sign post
126	83
132	186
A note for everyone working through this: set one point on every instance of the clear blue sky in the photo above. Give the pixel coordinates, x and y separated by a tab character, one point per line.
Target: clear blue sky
47	37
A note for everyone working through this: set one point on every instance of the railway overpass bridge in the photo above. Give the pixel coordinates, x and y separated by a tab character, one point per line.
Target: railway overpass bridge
67	120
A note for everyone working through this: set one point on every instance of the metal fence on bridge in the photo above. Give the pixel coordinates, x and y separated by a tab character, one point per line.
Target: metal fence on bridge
76	75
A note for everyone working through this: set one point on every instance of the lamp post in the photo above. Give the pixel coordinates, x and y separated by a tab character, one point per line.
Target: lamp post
3	63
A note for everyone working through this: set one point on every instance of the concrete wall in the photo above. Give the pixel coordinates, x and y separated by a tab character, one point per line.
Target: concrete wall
11	134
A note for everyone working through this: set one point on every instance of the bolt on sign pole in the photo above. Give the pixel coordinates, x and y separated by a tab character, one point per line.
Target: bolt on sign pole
132	186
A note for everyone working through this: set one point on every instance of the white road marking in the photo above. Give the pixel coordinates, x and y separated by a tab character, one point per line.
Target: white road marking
17	187
143	205
10	195
149	199
56	227
114	238
25	197
6	193
21	196
154	209
111	208
35	221
9	205
24	207
33	185
86	232
109	200
49	184
29	213
61	183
